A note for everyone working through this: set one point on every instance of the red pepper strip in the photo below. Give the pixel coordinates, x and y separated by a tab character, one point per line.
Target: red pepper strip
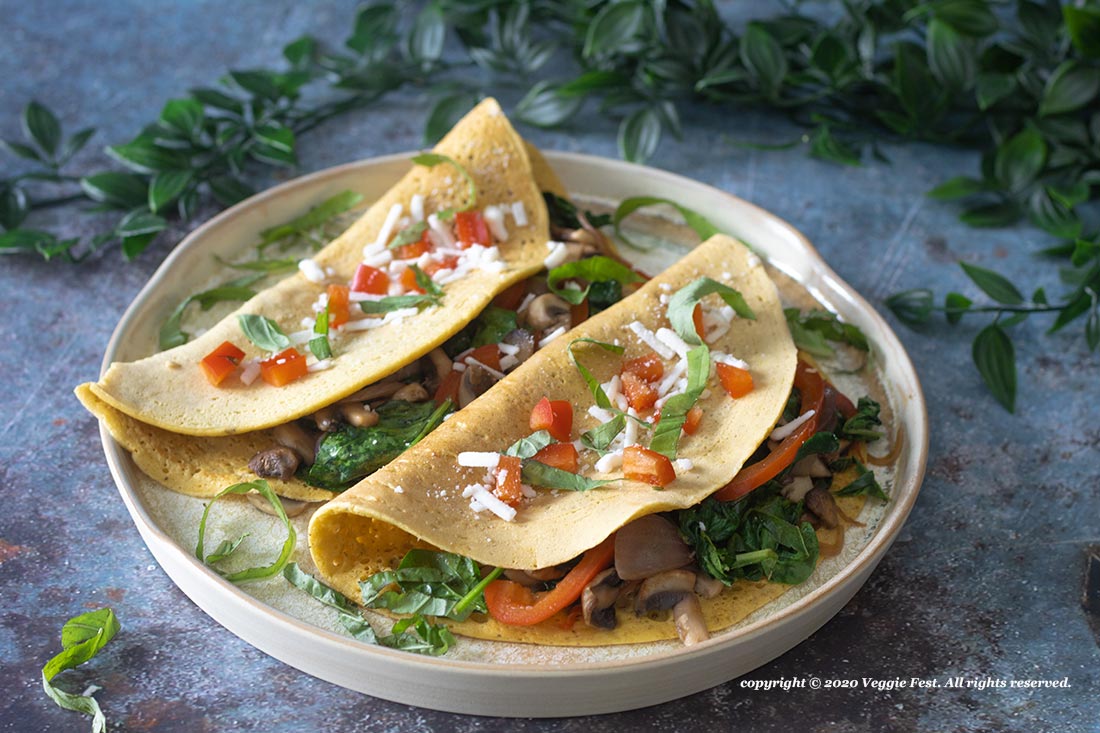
812	387
513	604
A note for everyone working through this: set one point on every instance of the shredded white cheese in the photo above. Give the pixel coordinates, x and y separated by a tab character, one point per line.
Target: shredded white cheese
785	430
559	253
388	225
251	371
441	231
319	366
494	217
478	459
488	500
650	339
416	207
672	340
551	336
311	270
519	213
609	462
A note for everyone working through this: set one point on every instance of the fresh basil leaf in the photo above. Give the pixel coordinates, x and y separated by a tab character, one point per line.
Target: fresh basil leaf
171	334
319	344
864	424
681	306
992	284
225	549
529	446
666	434
600	438
693	219
995	359
263	332
82	637
548	477
593	269
431	160
813	330
257	573
262	265
348	615
315	217
397	302
912	307
602	400
408	235
865	484
424	282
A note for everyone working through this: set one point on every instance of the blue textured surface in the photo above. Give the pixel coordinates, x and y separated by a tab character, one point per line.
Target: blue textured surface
984	581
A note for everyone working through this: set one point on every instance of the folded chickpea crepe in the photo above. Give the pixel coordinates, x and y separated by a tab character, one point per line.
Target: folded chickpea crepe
196	437
440	493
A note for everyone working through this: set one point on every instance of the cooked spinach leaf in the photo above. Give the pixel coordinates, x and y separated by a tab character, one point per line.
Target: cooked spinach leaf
349	453
563	213
81	639
864	484
430	583
813	331
604	294
598	269
757	536
493	324
861	426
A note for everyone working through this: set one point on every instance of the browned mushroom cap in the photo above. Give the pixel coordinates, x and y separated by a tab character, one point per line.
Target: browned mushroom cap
279	462
647	546
547	312
298	440
327	418
411	392
690	624
821	503
708	587
524	340
598	600
663	591
358	415
476	380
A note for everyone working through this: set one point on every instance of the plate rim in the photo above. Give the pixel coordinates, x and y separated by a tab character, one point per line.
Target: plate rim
863	562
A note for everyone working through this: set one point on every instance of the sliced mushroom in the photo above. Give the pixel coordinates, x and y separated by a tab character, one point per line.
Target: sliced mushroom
476	380
707	587
441	363
647	546
554	572
358	415
279	462
524	340
598	600
374	391
821	503
292	507
327	418
690	625
664	590
298	440
797	489
411	392
812	466
548	312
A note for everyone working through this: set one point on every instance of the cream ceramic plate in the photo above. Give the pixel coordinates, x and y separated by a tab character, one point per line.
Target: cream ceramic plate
492	678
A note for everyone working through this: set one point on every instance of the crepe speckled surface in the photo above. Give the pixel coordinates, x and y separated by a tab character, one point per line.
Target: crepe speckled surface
417	499
168	390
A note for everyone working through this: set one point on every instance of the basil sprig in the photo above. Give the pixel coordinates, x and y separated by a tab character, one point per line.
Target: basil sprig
172	334
227	547
699	223
263	332
81	639
408	235
434	159
539	474
432	295
593	269
681	306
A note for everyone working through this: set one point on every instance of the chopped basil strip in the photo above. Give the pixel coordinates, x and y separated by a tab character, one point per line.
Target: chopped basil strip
564	213
434	159
681	306
600	438
593	269
529	446
865	483
81	639
263	332
315	217
548	477
257	573
171	334
430	583
225	549
319	344
666	435
812	331
694	219
408	235
261	265
602	400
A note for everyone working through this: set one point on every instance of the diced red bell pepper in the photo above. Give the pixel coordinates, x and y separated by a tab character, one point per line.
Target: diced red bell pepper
559	455
692	420
448	262
408	281
697	319
640	394
283	368
489	355
736	381
554	416
448	388
412	250
512	296
648	368
338	305
650	467
508	477
221	362
370	280
471	229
